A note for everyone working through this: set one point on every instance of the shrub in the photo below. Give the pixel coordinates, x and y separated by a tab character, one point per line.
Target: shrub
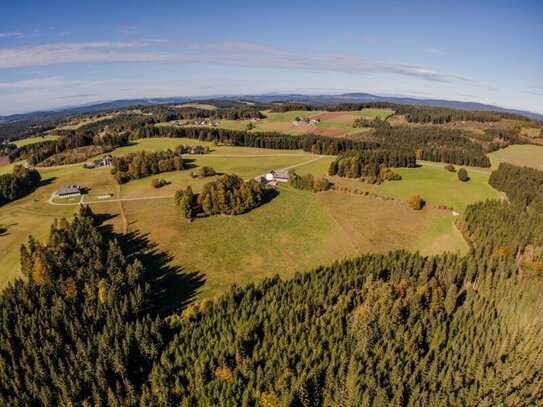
415	202
203	172
386	174
158	183
450	167
463	175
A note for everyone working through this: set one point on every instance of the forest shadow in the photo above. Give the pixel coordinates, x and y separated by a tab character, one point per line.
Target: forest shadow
270	195
5	228
172	287
189	163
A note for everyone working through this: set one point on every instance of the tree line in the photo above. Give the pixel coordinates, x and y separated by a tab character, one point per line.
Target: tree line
17	184
432	143
389	329
308	182
143	164
371	165
78	329
227	195
413	113
435	144
38	152
523	185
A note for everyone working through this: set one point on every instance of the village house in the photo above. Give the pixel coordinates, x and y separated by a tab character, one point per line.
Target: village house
305	121
99	163
277	176
69	191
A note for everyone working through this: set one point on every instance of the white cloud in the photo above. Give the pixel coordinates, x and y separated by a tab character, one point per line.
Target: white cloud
38	83
435	51
12	34
234	53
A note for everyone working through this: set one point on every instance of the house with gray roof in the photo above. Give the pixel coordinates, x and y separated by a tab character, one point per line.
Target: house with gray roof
69	191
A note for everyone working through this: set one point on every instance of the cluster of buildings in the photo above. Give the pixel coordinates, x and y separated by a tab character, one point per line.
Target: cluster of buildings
205	123
305	121
272	178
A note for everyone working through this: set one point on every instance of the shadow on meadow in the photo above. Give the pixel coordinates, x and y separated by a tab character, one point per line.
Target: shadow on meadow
172	287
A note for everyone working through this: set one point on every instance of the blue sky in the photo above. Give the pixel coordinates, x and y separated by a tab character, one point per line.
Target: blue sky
60	53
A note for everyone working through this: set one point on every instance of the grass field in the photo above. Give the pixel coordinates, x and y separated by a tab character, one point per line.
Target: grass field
203	106
531	132
77	125
380	113
32	140
430	180
522	155
33	215
7	168
332	124
294	232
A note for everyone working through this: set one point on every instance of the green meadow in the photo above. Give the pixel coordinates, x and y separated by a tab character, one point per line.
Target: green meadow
525	155
293	232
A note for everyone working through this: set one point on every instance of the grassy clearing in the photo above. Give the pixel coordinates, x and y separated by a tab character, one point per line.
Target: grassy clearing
380	113
203	106
435	185
443	236
290	116
248	167
522	155
77	125
164	143
33	140
33	215
7	168
294	232
532	132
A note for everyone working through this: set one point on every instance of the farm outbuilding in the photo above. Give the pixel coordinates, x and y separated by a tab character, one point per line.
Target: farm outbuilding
277	176
69	191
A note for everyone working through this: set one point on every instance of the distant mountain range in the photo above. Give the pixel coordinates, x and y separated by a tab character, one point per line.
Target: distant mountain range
41	116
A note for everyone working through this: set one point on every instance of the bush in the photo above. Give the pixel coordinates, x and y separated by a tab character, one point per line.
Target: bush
415	202
450	167
463	175
203	172
158	183
386	174
308	182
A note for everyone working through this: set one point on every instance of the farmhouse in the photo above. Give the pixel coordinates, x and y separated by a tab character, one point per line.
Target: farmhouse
69	191
98	163
305	121
277	176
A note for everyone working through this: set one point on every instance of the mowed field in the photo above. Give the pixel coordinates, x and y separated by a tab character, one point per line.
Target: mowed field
522	155
294	232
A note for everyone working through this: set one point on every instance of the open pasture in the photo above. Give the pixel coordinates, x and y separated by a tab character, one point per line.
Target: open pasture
525	155
32	140
293	232
430	180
